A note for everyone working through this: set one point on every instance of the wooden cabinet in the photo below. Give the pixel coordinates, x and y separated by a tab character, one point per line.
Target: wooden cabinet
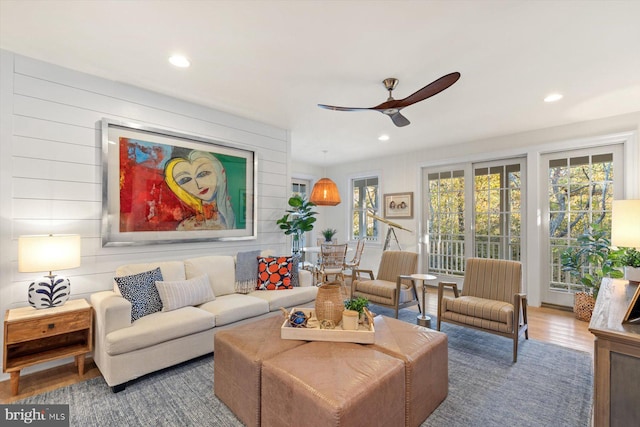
616	357
35	336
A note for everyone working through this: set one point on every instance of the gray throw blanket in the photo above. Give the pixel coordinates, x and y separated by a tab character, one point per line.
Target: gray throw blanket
246	271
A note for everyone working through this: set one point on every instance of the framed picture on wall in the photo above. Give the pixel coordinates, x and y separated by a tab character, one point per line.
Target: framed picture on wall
398	205
162	186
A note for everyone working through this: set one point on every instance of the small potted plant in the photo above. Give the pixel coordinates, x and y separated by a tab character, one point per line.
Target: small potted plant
328	234
629	258
357	304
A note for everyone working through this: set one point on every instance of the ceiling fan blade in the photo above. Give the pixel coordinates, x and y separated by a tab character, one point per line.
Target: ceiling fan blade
399	120
429	90
334	108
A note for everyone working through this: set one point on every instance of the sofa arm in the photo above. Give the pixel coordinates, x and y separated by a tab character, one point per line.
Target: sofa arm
305	278
112	312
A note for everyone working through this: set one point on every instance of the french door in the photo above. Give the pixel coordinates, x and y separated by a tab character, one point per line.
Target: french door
580	186
473	210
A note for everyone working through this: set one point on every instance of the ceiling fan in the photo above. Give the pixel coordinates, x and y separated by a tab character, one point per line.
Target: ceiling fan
391	107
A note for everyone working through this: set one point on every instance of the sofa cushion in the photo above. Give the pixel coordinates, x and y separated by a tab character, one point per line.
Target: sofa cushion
220	269
234	307
140	290
157	328
183	293
288	297
274	273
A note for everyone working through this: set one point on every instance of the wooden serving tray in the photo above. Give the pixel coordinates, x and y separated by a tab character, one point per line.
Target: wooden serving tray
363	335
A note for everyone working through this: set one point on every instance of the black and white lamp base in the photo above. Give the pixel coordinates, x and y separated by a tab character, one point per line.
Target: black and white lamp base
49	291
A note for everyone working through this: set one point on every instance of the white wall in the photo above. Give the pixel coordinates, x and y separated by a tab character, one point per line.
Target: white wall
51	173
401	173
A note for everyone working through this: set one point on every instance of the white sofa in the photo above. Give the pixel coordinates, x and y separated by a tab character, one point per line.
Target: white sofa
125	350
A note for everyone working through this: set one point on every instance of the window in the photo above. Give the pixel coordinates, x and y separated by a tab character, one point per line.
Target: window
365	198
300	186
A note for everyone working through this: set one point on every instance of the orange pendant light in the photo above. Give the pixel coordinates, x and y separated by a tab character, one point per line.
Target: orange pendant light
325	192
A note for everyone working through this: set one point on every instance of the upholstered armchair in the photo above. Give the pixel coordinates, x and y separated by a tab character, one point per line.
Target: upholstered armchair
393	286
491	300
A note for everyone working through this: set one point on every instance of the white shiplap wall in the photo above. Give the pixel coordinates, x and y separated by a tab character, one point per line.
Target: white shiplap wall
50	165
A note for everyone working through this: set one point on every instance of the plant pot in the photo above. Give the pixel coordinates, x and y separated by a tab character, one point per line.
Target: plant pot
632	274
583	306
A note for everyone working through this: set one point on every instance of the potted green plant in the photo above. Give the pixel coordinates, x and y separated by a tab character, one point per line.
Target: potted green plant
590	263
328	234
629	258
356	304
297	220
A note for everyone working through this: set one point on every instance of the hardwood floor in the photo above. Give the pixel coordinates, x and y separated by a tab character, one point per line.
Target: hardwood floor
545	324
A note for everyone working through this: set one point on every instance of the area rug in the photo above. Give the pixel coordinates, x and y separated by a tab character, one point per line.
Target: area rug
548	386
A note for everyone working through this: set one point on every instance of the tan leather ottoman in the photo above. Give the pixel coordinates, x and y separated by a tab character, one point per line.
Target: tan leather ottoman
238	356
425	354
333	384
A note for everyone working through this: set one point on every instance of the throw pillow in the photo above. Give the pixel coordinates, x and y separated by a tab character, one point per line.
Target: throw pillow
183	293
140	290
274	273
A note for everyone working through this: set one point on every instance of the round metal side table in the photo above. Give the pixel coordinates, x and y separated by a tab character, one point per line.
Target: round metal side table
423	319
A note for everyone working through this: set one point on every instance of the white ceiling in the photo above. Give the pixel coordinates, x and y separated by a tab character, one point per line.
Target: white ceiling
273	61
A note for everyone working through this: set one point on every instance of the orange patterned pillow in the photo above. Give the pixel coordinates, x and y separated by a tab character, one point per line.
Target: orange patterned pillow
274	273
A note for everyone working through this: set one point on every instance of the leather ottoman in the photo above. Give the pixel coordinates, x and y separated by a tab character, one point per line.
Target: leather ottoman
425	355
333	384
239	353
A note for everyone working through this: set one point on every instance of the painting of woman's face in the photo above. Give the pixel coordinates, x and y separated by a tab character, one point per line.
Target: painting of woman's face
198	178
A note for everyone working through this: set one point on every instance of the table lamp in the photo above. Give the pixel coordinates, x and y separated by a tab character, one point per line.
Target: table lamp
625	229
48	253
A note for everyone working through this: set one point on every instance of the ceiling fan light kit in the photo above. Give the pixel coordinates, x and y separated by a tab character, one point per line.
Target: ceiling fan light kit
392	107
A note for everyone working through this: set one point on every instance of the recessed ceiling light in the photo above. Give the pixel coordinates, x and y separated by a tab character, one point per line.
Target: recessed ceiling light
179	61
553	97
383	138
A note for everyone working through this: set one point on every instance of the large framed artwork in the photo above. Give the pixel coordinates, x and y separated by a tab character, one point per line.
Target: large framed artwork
162	186
398	205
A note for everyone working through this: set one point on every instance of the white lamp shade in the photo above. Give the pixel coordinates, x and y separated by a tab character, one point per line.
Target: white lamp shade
48	252
625	223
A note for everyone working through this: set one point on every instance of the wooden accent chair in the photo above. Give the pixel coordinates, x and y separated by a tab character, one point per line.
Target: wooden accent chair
355	261
332	262
491	300
393	287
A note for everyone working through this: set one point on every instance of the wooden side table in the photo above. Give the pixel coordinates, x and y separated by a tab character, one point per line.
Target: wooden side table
34	336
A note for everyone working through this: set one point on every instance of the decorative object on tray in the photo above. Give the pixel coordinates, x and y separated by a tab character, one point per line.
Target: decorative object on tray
358	304
326	330
298	319
329	304
350	320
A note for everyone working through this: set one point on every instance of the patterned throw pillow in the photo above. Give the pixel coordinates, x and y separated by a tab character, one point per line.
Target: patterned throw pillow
140	290
274	273
183	293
